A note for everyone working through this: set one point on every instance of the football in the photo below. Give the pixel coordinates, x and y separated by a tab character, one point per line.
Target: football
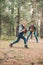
31	30
25	30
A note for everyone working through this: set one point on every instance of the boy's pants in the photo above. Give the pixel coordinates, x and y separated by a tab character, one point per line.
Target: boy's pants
20	36
35	34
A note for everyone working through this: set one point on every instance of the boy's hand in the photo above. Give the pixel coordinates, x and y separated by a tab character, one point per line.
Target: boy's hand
25	30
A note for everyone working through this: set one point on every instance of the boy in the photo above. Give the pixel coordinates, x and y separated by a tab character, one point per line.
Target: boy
21	31
32	29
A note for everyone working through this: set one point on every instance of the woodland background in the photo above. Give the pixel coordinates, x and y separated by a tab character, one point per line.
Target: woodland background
12	12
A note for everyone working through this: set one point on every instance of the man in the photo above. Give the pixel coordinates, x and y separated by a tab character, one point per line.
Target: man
32	29
22	30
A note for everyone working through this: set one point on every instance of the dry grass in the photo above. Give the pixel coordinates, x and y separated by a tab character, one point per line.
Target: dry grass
18	55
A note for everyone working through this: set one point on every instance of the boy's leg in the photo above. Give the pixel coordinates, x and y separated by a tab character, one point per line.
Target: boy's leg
29	35
35	34
25	40
15	41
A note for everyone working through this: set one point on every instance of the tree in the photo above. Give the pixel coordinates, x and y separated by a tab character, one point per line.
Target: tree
1	9
41	22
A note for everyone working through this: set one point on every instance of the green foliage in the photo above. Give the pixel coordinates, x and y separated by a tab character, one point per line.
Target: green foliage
9	14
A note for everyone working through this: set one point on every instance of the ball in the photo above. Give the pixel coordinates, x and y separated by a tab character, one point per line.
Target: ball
25	30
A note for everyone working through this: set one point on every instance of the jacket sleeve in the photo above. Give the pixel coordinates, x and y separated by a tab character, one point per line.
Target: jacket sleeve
20	28
29	27
34	27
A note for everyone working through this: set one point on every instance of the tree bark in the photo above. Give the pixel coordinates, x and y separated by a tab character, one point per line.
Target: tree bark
0	24
18	20
12	21
41	26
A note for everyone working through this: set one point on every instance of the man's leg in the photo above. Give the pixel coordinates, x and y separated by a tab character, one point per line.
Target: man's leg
25	40
35	34
15	41
29	35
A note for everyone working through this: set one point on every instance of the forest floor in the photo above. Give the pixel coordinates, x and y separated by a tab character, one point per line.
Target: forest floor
19	55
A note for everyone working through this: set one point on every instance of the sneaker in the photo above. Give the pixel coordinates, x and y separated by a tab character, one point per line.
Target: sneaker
26	46
11	45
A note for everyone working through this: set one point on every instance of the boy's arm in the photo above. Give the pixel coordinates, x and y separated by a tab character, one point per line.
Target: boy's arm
34	27
29	28
20	29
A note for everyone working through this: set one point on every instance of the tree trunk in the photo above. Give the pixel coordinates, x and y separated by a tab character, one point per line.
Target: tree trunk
18	20
12	21
41	26
0	24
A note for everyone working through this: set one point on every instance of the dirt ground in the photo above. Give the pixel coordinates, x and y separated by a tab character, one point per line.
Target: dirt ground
18	55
